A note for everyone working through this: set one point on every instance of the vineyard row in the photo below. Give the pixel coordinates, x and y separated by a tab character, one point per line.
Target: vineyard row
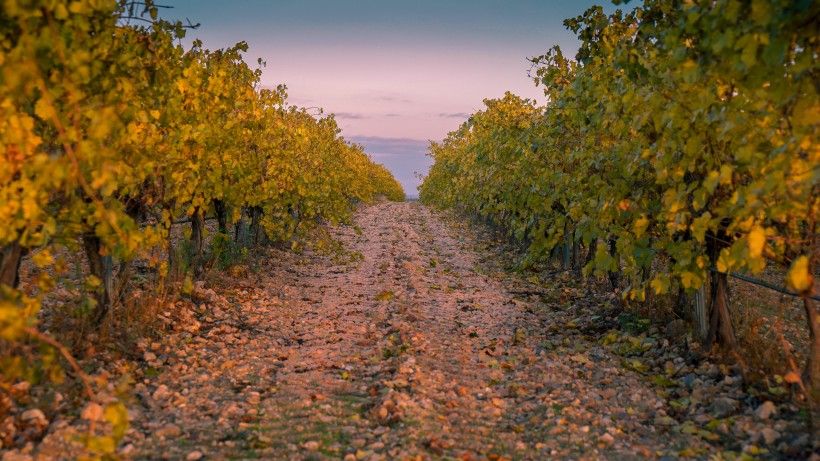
680	145
110	131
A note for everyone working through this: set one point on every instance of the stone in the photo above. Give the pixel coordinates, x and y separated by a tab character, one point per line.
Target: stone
769	435
92	412
194	456
765	411
254	398
162	393
171	430
663	420
723	407
21	388
311	445
34	417
375	446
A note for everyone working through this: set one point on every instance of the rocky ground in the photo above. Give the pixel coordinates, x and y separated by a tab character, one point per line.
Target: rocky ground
412	343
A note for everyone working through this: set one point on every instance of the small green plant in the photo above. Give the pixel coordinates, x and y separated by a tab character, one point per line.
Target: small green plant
225	252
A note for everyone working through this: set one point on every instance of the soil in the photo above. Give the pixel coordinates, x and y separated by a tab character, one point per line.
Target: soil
412	342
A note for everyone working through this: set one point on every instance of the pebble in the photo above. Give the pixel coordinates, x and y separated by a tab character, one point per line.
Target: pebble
162	393
765	411
311	445
723	407
35	417
606	439
769	435
376	446
254	398
21	388
590	411
170	430
92	412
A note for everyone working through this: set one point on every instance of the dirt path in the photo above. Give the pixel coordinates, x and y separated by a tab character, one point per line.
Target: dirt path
409	353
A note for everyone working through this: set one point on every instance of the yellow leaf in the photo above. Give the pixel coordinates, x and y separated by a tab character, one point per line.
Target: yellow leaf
798	277
723	263
117	415
690	279
385	296
92	282
60	12
106	445
640	226
757	242
43	258
78	7
43	109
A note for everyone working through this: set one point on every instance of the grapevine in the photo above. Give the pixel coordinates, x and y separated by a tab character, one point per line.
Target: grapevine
684	134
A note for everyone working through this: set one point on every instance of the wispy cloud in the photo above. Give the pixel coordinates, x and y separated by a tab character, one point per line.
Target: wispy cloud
463	115
388	98
382	145
392	115
351	115
385	97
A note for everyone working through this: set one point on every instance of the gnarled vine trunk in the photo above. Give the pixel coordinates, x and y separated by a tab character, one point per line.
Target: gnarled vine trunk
100	266
720	321
615	276
256	225
11	256
197	232
566	260
241	231
221	211
812	372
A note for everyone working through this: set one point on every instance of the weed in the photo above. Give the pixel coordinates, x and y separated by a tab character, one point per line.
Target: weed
225	252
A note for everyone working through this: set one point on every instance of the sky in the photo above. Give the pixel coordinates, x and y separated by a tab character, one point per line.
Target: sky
397	74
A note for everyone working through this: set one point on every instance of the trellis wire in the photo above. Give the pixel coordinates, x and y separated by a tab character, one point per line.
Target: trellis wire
761	283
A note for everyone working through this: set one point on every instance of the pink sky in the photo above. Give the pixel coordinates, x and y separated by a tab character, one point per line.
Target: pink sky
396	74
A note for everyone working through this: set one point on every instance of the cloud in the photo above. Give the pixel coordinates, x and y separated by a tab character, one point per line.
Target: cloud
351	115
382	145
463	115
392	115
386	98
